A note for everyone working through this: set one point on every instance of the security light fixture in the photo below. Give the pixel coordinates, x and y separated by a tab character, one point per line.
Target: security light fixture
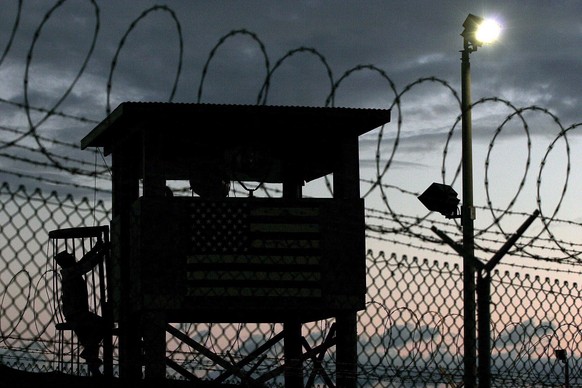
479	31
441	198
561	354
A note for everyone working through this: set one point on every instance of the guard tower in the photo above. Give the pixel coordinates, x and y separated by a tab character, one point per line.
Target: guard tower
213	258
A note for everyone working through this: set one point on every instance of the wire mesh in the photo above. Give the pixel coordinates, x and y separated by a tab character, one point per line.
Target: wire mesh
409	334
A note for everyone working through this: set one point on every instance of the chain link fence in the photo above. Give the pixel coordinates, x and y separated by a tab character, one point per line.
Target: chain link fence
409	335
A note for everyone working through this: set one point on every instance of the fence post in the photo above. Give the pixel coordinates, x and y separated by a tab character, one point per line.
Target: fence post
484	295
484	329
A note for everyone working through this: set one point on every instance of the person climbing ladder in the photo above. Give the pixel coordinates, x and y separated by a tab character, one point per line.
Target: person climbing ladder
89	327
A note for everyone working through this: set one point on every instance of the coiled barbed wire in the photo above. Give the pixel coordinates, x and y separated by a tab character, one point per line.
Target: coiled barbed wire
393	222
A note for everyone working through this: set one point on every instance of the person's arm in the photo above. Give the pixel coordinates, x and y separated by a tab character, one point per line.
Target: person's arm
92	258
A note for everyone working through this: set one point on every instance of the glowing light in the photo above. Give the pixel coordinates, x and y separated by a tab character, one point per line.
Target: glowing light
487	31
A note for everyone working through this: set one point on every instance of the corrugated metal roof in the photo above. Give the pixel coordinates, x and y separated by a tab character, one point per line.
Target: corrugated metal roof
217	122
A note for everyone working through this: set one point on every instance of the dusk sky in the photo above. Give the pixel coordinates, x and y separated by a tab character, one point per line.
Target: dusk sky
80	59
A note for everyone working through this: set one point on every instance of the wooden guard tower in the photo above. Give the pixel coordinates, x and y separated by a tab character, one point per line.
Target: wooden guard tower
241	259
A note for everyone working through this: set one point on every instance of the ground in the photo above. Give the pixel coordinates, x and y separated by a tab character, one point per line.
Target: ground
14	378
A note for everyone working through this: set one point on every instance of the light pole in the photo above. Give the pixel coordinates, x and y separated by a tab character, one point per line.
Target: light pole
476	33
442	198
562	355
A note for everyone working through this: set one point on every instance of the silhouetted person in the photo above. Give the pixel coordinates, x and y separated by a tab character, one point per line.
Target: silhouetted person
168	192
89	326
209	184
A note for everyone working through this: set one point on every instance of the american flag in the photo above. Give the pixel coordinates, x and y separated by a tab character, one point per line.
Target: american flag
257	247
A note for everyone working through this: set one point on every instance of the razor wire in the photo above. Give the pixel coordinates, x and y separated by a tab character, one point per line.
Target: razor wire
26	217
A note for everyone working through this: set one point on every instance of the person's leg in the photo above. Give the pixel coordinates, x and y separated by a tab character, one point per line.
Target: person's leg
94	367
90	350
90	330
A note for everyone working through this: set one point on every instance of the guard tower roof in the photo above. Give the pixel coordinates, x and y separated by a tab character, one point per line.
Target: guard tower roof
302	139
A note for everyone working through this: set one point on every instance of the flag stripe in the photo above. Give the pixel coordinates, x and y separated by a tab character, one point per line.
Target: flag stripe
253	292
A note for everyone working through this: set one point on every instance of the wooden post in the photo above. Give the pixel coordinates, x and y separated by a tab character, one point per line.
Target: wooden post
346	175
154	180
154	345
346	183
346	350
125	182
292	352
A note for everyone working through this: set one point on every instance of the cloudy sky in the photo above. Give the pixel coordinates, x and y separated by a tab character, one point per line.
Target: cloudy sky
78	59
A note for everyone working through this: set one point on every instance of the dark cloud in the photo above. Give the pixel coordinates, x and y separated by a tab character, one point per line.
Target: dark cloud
157	51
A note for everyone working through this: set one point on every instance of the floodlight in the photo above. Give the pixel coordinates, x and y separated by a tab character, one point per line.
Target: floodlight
488	31
479	31
441	198
561	354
